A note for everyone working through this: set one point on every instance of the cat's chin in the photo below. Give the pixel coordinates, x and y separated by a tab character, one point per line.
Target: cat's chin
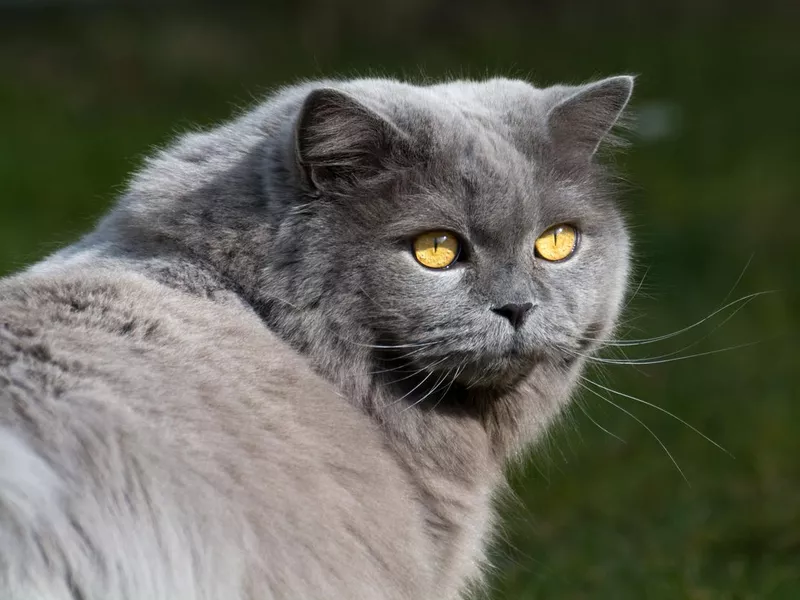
500	374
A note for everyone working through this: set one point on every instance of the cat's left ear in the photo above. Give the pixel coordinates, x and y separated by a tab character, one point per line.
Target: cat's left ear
341	143
582	117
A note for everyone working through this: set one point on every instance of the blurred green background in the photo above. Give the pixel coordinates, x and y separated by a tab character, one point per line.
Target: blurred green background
88	88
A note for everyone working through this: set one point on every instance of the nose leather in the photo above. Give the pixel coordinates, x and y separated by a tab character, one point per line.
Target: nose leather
515	313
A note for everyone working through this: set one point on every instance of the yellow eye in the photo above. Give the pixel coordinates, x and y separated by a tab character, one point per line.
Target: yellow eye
436	249
557	243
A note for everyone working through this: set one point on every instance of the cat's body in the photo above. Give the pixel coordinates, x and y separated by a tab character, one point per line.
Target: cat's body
242	386
147	454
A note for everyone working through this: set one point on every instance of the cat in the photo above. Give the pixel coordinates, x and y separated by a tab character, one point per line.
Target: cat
294	358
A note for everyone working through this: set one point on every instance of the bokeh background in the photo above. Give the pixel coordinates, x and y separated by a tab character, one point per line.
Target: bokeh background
88	88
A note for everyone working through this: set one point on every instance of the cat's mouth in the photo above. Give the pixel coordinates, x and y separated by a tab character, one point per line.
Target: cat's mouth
502	371
498	364
489	370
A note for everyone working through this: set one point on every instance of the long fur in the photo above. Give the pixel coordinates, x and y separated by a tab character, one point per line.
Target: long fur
242	386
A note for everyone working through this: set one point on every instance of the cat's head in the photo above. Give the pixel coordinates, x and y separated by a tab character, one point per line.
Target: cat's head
467	226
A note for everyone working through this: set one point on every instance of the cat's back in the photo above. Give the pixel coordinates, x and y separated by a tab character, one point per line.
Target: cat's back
159	444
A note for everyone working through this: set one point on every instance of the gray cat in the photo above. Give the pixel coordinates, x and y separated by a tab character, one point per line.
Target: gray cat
295	357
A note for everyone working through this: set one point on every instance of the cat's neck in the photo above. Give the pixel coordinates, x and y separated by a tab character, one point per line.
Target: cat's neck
448	455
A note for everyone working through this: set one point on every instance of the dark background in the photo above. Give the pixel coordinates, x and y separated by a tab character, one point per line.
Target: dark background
88	88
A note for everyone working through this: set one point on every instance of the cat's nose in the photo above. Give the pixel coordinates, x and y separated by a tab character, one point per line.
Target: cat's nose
515	313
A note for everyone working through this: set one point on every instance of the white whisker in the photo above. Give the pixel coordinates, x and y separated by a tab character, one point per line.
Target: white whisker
643	424
658	359
738	279
411	391
418	371
401	357
659	408
638	288
452	380
433	389
588	416
641	342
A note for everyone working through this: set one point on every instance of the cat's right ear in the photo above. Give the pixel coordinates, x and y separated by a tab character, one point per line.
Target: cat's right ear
341	143
583	116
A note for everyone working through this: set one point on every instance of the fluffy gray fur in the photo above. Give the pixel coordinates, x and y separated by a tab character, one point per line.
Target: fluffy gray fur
242	386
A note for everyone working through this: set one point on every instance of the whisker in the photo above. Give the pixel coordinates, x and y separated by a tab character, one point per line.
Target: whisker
720	308
709	334
744	299
661	409
627	358
476	379
390	346
462	365
411	391
658	359
418	371
738	279
447	389
588	416
394	358
638	288
433	389
643	424
632	361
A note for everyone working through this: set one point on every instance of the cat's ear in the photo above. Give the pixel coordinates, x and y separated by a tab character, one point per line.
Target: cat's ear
341	142
582	117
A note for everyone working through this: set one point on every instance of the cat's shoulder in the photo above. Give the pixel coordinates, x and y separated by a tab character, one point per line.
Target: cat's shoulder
77	318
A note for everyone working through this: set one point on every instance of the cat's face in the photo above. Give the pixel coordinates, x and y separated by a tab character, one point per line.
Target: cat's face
471	252
501	305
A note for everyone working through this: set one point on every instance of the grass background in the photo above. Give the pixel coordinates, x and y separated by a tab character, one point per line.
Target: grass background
88	88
